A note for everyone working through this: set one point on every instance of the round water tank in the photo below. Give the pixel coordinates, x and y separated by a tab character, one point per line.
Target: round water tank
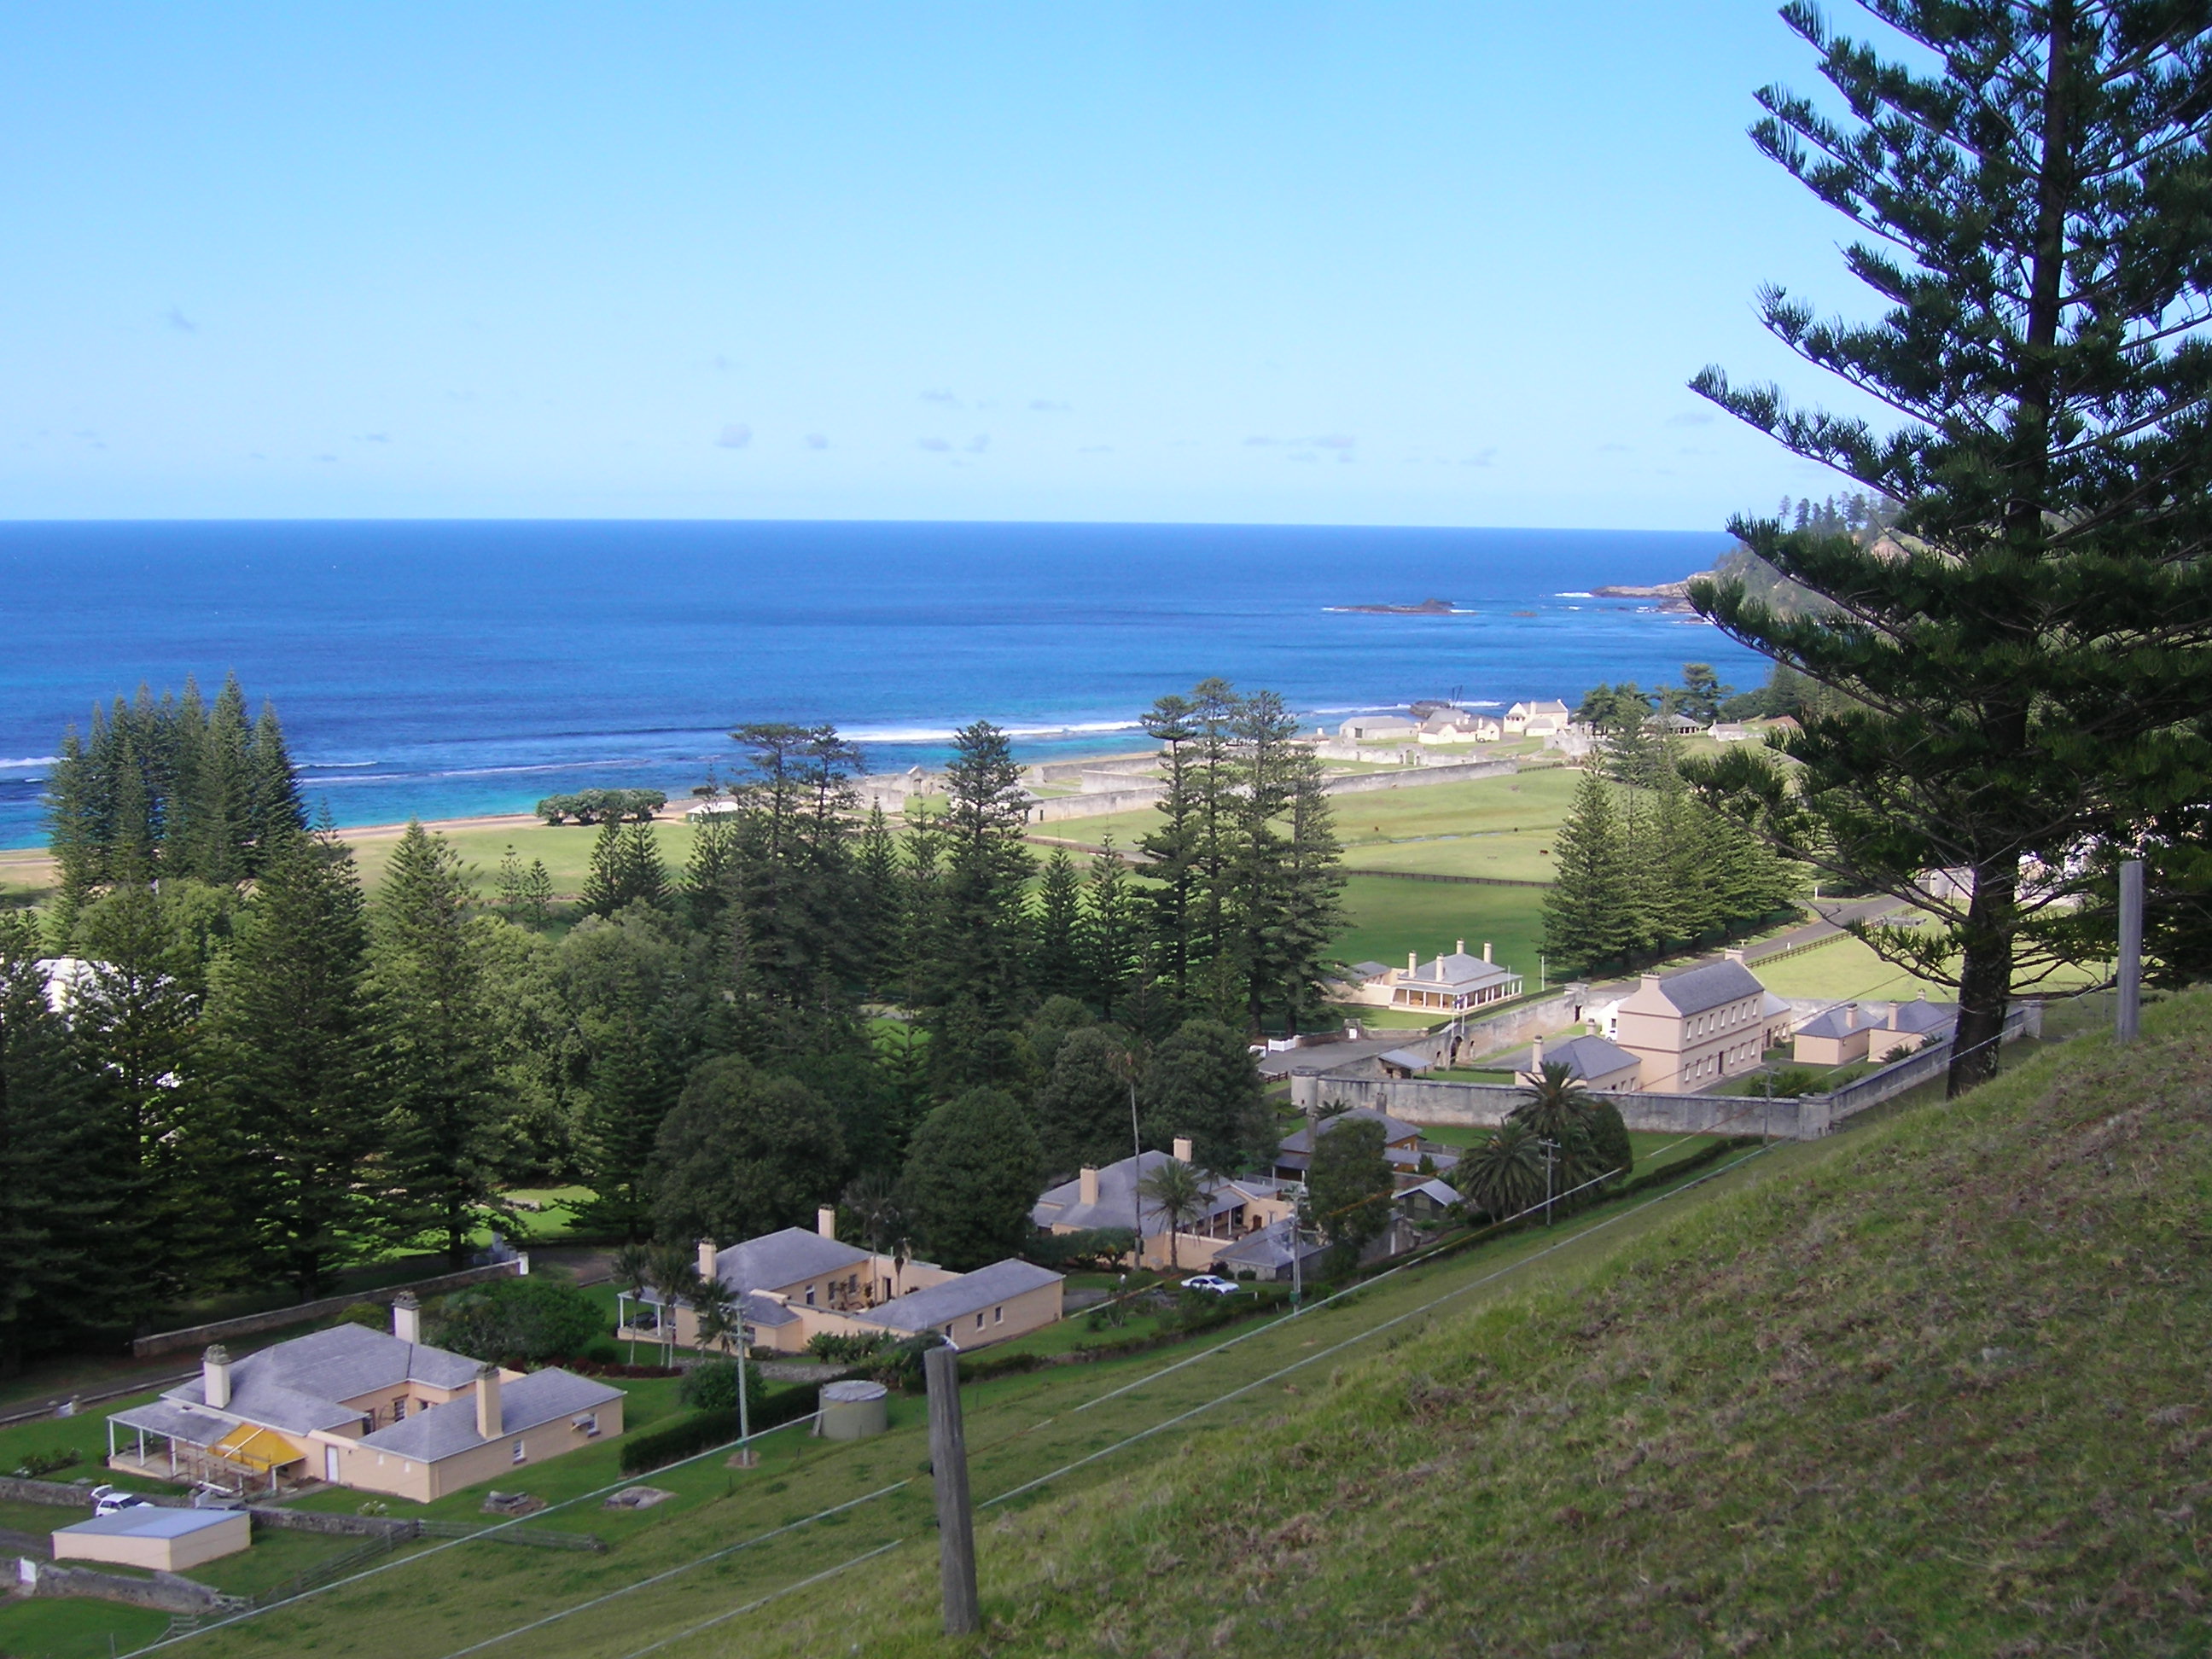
854	1411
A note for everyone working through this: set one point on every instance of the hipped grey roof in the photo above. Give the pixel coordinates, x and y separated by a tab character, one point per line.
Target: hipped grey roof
775	1260
1583	1056
298	1385
1454	971
1393	1130
1439	1192
1695	990
526	1403
1921	1017
1369	969
959	1299
1265	1250
1062	1205
172	1419
1839	1023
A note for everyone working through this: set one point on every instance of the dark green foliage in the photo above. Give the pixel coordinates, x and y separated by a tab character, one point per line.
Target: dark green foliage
981	944
1588	918
1201	1082
1109	936
1502	1173
291	1061
972	1174
848	1350
712	1386
743	1153
453	1133
1082	1113
526	893
1057	967
603	806
529	1321
2024	662
705	1431
1102	1249
1348	1188
60	1153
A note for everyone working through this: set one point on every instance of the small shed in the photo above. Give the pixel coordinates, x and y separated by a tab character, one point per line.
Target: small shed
157	1538
1402	1063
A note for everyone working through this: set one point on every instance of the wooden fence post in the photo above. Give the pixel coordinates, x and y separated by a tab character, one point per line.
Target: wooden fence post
948	1463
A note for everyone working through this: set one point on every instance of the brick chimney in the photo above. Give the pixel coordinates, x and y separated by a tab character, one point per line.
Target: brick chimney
1183	1149
406	1317
706	1258
825	1221
1086	1185
489	1419
215	1376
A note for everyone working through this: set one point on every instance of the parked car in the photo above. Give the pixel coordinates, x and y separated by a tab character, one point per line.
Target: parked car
106	1500
1211	1282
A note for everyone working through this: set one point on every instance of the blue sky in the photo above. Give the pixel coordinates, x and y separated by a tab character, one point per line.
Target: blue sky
1405	264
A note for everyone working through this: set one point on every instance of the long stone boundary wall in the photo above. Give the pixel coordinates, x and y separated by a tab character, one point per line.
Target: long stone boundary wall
1486	1105
1362	783
165	1592
276	1319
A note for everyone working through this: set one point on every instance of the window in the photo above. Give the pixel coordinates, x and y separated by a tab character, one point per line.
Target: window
810	1295
979	1322
521	1454
998	1315
399	1408
587	1425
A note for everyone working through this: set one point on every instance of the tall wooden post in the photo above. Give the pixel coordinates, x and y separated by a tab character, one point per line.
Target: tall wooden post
948	1463
2128	1022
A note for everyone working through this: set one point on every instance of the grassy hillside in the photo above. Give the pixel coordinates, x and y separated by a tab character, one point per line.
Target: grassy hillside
1941	1389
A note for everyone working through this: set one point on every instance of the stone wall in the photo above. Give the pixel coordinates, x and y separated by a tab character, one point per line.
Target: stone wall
165	1591
1362	783
198	1336
1486	1105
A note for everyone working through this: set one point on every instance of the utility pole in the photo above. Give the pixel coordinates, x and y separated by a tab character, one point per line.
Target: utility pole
948	1465
1550	1147
2128	1025
1136	1173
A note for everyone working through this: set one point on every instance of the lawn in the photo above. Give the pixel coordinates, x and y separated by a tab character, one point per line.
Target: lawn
1508	855
1390	918
714	1537
566	849
74	1629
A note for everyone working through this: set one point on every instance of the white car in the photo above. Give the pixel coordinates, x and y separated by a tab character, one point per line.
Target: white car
106	1500
1213	1282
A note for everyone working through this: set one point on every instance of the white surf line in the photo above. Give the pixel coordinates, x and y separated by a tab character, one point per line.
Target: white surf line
678	1572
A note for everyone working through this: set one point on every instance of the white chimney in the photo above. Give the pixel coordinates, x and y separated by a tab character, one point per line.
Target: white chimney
489	1418
825	1221
1734	956
215	1376
406	1317
706	1267
1183	1149
1412	962
1459	947
1536	1054
1485	950
1086	1185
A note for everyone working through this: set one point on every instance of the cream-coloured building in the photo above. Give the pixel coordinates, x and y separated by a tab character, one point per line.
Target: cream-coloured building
1591	1061
357	1408
1448	984
1536	718
1106	1196
795	1285
1691	1030
156	1537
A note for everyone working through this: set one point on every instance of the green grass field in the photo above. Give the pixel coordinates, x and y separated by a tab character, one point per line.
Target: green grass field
1390	918
1933	1386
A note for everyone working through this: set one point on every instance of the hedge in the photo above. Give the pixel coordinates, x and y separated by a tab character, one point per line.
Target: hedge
703	1432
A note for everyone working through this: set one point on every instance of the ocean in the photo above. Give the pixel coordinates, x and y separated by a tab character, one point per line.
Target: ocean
440	669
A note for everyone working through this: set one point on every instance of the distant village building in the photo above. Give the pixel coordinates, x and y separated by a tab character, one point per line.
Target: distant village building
1692	1029
1676	724
1536	718
1106	1196
1458	725
1870	1030
1450	984
1377	728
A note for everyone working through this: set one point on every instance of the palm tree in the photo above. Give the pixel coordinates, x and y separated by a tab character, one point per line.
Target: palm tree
1175	1189
1503	1174
1560	1110
721	1317
633	1271
675	1277
874	1201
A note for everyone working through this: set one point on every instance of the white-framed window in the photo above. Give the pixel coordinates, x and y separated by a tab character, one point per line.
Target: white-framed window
810	1295
998	1315
521	1453
587	1424
979	1322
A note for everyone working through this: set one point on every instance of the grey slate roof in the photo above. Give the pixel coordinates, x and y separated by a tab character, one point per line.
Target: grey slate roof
1265	1250
1583	1056
790	1257
1694	990
1062	1205
1437	1192
1393	1130
961	1297
526	1403
1838	1023
1921	1017
1455	971
297	1385
196	1425
1369	969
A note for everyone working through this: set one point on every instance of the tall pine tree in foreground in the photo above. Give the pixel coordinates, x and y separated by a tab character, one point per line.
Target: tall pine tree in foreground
292	1055
2030	666
452	1112
1587	908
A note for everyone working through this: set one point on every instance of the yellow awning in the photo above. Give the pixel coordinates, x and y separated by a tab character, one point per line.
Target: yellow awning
258	1448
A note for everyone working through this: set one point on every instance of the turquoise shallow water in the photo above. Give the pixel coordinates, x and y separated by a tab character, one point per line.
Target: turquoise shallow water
447	668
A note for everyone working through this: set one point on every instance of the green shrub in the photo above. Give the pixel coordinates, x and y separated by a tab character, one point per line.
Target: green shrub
712	1386
982	1367
847	1350
1101	1249
374	1315
703	1432
35	1464
517	1321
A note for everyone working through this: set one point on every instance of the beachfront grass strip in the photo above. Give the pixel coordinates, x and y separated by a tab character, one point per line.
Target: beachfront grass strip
1019	1428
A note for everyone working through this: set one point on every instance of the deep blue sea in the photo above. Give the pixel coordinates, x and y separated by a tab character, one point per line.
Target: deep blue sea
445	668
